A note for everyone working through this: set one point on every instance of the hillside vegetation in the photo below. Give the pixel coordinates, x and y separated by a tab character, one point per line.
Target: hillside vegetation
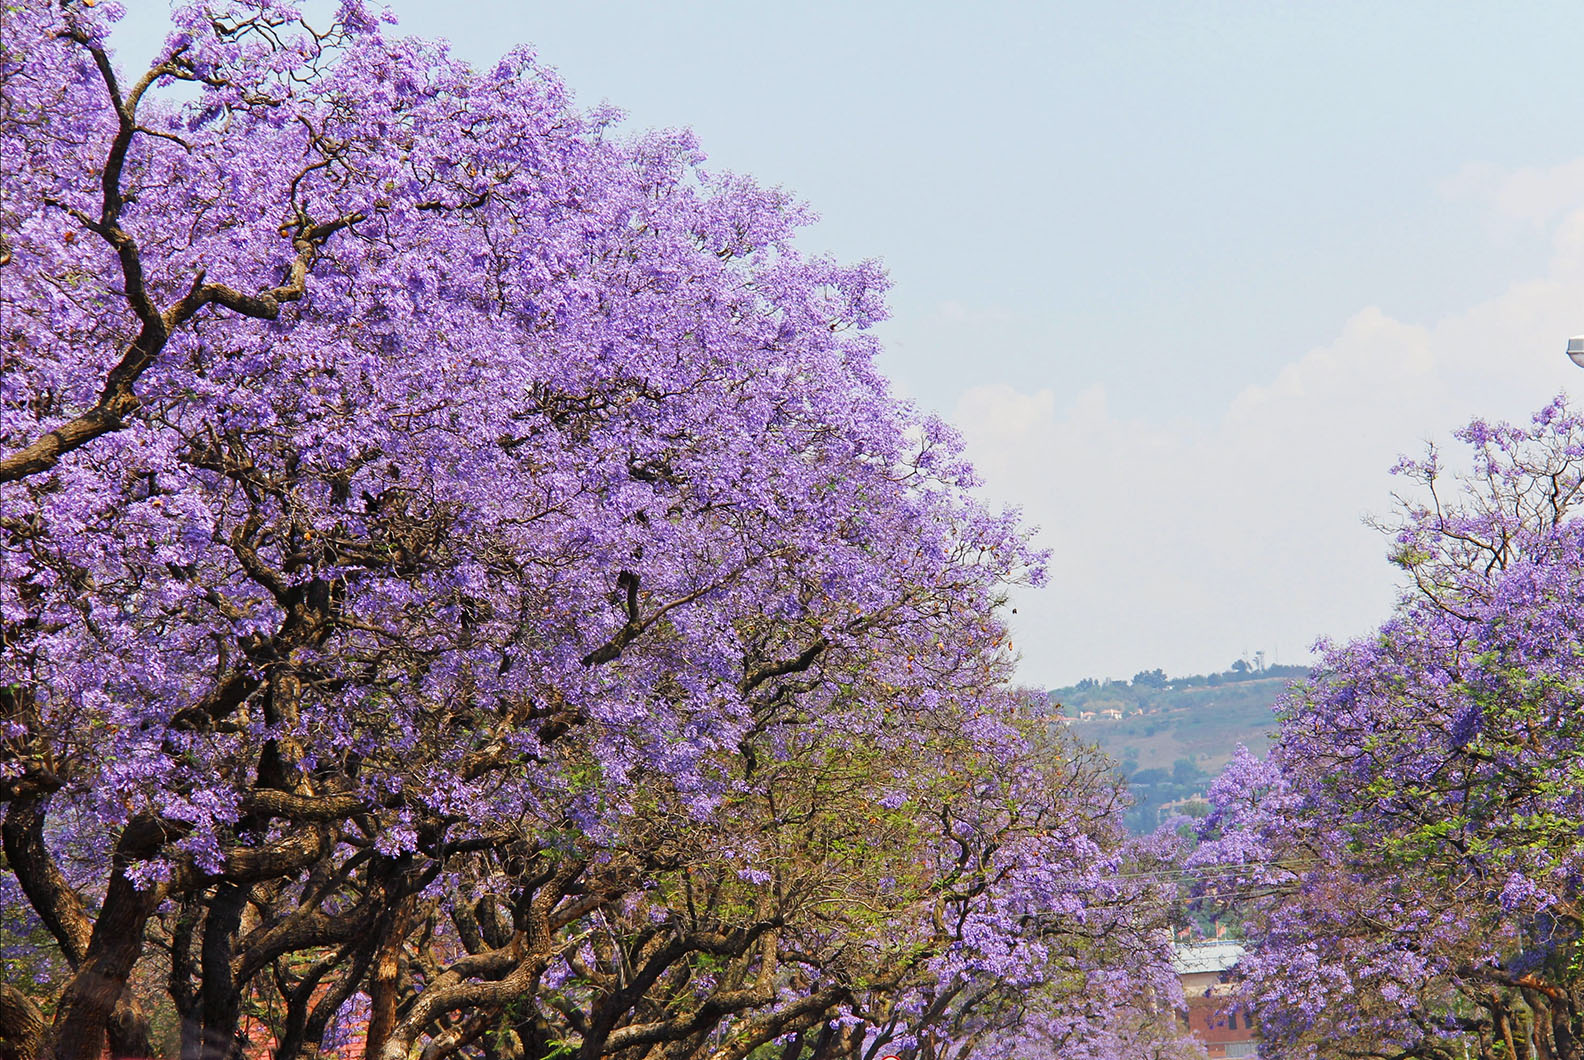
1174	733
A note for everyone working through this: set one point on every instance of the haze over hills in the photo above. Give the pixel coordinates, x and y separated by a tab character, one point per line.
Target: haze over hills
1171	735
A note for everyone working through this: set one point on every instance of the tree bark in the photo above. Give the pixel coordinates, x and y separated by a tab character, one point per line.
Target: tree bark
93	997
21	1025
51	897
384	988
219	1000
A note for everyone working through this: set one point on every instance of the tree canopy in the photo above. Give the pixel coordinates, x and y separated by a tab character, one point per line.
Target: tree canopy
468	591
1411	851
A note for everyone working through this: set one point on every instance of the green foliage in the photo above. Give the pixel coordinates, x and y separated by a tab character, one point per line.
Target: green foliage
1175	734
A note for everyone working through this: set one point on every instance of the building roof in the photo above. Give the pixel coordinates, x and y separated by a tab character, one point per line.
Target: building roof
1205	957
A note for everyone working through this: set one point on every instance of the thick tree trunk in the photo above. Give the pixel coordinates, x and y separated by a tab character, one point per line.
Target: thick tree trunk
21	1025
220	1001
61	911
51	897
384	988
128	1029
92	995
1565	1028
183	974
94	1000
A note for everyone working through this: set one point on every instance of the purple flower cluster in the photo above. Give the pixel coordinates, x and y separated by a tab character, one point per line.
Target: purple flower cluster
465	576
1411	855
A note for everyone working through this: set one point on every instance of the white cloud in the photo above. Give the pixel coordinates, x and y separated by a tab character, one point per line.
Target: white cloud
1536	195
1182	544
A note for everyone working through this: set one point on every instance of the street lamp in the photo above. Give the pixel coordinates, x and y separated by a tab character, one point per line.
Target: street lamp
1576	350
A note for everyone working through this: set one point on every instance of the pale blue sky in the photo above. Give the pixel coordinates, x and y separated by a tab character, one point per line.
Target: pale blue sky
1159	207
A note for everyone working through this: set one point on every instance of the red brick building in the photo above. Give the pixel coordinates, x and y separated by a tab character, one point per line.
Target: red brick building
1205	970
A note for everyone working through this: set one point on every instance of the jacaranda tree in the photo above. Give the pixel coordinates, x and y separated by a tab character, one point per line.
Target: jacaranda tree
468	591
1412	853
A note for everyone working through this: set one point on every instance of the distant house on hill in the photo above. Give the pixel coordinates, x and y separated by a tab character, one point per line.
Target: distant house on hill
1205	971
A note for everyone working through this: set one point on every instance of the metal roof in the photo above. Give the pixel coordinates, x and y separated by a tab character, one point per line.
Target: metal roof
1205	957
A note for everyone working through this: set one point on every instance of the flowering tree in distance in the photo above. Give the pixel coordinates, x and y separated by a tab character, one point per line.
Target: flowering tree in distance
467	587
1412	849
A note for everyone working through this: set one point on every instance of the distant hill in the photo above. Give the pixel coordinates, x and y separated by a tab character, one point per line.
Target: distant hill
1174	734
